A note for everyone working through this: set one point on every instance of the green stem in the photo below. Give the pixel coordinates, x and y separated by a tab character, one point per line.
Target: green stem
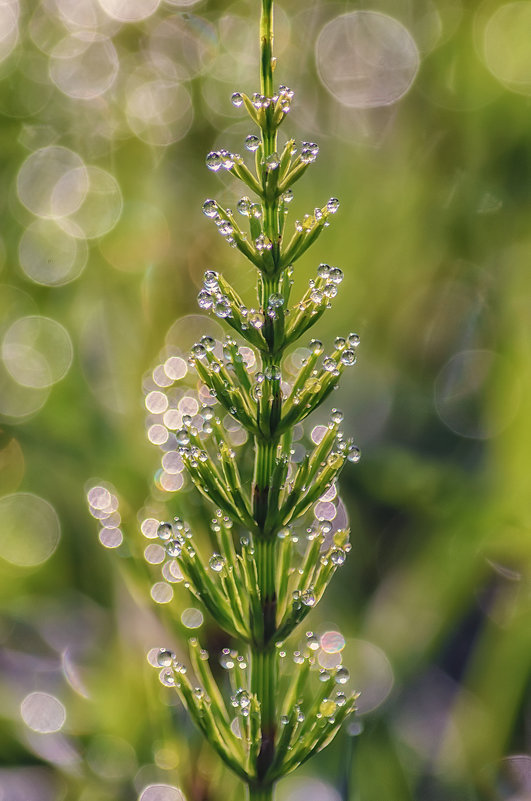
260	794
264	664
263	656
266	48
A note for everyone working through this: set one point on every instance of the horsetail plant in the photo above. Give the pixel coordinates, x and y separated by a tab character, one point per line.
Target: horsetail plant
261	589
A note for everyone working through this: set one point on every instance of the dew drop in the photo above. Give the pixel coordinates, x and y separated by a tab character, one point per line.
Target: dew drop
182	436
204	299
167	678
216	562
348	357
341	699
332	205
165	658
353	340
316	346
329	364
165	531
256	319
173	548
208	343
244	206
272	162
222	308
252	143
338	556
342	675
276	300
199	351
237	99
214	160
308	598
354	454
336	416
210	208
210	279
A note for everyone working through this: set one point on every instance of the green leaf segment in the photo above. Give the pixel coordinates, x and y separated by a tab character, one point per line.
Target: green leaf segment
268	727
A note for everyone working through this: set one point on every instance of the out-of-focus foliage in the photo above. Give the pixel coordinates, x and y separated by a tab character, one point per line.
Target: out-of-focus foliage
421	109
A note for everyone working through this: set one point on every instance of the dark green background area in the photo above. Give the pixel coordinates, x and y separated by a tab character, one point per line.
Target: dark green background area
433	237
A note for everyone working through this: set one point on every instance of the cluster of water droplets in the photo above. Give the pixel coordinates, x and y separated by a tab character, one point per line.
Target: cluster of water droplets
170	667
211	298
343	356
173	536
346	348
222	159
230	659
249	209
223	225
309	152
325	288
241	701
308	653
280	101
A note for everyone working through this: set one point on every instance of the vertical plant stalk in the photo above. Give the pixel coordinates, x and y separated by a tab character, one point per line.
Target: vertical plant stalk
263	659
255	593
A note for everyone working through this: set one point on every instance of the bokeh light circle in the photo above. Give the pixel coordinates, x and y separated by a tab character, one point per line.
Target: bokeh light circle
111	757
84	65
192	618
29	529
129	10
161	792
43	712
158	111
506	48
52	182
366	59
332	642
52	254
371	673
307	789
183	46
161	592
37	351
111	537
464	388
75	14
101	209
9	32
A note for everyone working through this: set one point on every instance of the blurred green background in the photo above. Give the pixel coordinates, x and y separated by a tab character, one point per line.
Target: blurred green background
422	112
